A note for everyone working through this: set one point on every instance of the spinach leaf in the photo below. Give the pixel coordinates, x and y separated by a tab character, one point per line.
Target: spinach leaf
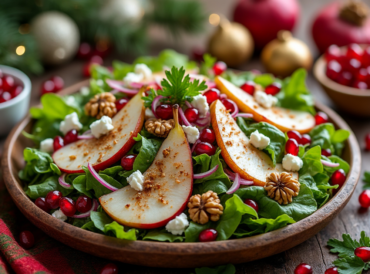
41	190
148	151
312	162
238	79
162	235
100	219
223	269
194	229
215	185
79	183
265	79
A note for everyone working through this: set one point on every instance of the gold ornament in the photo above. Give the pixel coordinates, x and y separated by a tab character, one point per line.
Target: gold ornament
231	43
285	54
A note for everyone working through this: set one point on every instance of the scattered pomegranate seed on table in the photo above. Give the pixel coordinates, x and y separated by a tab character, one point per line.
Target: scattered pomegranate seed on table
303	269
252	203
205	148
164	111
292	147
83	204
306	139
192	114
121	103
52	199
219	67
47	87
212	95
273	89
326	152
58	143
332	270
207	135
367	141
321	118
338	178
292	134
208	235
41	203
109	269
58	83
26	239
67	206
363	253
249	87
364	198
127	162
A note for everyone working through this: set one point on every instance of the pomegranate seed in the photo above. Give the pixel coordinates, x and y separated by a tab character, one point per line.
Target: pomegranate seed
41	203
52	199
86	69
252	203
326	152
58	83
197	54
367	141
219	68
58	143
16	90
273	89
333	70
109	269
332	270
5	97
366	57
67	206
345	78
354	51
8	82
228	104
127	162
83	204
71	137
292	147
121	103
292	134
205	148
360	85
364	198
321	118
164	111
249	87
363	253
93	60
47	87
84	51
338	178
26	239
207	135
353	65
303	269
362	75
192	114
332	53
208	235
96	59
212	95
306	139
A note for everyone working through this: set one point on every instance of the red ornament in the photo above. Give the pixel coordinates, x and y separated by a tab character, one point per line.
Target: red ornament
219	67
303	269
58	143
207	135
121	103
84	51
306	139
212	95
252	203
273	89
363	253
58	83
338	178
127	162
205	148
326	152
228	104
191	114
293	134
321	118
41	203
332	270
292	147
249	87
367	141
52	199
109	269
26	239
67	206
164	111
70	137
364	198
47	87
83	204
208	235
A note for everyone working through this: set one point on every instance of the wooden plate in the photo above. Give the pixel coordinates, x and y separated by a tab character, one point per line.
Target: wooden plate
181	255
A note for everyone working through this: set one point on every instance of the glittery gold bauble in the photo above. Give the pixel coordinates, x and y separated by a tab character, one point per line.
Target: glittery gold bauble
285	54
231	43
56	35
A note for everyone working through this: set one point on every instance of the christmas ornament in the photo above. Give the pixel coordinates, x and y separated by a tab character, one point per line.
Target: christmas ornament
265	18
56	35
121	11
231	43
341	25
285	54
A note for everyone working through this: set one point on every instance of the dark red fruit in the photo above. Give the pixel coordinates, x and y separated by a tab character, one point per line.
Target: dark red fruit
83	204
84	51
303	269
273	89
292	147
207	135
333	70
58	143
367	141
228	104
26	239
321	118
363	253
326	152
164	111
219	68
16	90
205	148
52	199
67	206
212	95
41	203
109	269
8	83
252	203
71	137
292	134
58	83
121	103
306	139
5	97
364	198
332	53
360	84
249	87
332	270
192	114
354	51
127	162
47	87
345	78
208	235
338	178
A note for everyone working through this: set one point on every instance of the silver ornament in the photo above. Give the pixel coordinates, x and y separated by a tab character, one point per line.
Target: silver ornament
121	11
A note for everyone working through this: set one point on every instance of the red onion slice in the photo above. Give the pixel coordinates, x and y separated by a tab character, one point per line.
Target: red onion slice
188	104
136	85
236	109
94	207
235	185
87	132
210	85
194	145
100	179
223	96
200	124
206	174
204	117
183	118
329	164
232	176
154	105
116	85
244	115
62	181
85	137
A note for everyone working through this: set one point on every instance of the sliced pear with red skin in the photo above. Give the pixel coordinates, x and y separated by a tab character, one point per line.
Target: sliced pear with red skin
108	149
239	154
284	119
169	182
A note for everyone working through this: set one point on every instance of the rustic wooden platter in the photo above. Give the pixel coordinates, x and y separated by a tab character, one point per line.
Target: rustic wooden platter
180	255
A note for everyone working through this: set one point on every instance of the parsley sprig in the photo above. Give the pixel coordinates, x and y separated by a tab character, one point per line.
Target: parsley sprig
366	179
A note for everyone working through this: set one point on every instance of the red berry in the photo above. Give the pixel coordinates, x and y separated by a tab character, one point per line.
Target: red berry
41	203
321	118
208	235
332	53
5	97
367	141
71	137
164	111
192	114
207	135
292	147
249	87
52	199
333	70
228	104
303	269
364	198
83	204
127	162
326	152
273	89
338	178
306	139
47	87
332	270
121	103
354	51
58	83
360	85
16	90
109	269
252	203
84	51
363	253
8	82
212	95
205	148
26	239
58	143
219	68
292	134
345	78
67	206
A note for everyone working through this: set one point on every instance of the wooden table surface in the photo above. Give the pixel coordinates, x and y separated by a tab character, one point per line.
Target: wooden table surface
314	251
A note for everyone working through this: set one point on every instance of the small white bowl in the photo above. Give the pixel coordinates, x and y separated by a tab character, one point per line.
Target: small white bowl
14	110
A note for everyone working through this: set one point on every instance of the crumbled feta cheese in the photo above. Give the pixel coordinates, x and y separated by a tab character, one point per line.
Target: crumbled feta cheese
200	102
101	127
265	100
259	140
149	114
292	163
143	70
192	133
47	145
70	122
100	82
136	180
132	78
59	215
85	91
177	226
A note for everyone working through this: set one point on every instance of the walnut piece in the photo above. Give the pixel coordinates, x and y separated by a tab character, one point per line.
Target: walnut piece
159	127
101	105
204	208
282	187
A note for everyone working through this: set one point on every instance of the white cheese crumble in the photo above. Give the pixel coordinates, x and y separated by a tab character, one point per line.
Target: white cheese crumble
136	180
144	70
149	114
70	122
85	91
177	226
259	140
101	127
192	133
70	100
265	100
200	102
292	163
47	145
132	77
100	82
59	215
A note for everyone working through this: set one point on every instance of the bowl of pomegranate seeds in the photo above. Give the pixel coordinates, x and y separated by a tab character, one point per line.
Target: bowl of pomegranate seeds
15	90
344	74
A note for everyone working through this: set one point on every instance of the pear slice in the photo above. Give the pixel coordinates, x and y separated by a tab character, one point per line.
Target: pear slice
239	154
108	149
169	182
283	119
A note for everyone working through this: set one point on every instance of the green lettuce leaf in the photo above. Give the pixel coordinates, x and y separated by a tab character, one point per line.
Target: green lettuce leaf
215	185
194	229
42	189
223	269
117	230
238	79
162	235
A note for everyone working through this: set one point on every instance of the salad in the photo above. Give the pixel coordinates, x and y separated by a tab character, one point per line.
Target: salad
166	149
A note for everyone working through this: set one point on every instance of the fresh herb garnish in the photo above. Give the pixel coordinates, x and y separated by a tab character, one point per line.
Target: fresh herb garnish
207	64
366	179
148	100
